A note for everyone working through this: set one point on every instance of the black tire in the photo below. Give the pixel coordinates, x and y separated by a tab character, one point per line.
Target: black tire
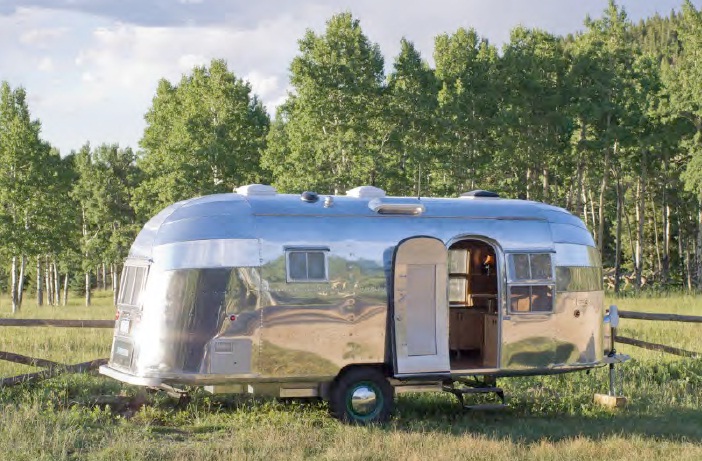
377	409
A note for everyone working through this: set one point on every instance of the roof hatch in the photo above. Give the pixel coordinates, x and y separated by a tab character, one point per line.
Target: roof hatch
256	189
474	194
365	192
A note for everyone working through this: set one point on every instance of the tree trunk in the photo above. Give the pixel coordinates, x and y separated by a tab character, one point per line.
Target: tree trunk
20	282
528	183
115	286
47	281
15	301
688	266
578	186
65	289
665	266
40	292
592	212
682	239
698	248
654	214
87	288
640	216
544	184
57	283
603	190
618	243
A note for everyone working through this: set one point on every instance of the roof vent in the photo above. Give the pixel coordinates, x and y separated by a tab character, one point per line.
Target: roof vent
411	207
365	192
480	194
256	189
309	196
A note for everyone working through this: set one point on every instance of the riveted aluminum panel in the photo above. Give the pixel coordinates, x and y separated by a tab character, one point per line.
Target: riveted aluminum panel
207	253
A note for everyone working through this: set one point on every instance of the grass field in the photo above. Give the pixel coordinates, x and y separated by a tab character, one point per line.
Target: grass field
550	418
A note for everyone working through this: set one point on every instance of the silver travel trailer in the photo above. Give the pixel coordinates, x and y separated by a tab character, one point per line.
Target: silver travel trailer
351	298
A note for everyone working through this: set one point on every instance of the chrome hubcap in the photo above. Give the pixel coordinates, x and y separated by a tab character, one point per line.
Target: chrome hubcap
363	400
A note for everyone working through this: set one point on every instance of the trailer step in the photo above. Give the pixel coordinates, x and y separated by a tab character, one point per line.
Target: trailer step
475	390
485	407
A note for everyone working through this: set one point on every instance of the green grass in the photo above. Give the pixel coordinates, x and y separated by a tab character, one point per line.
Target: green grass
551	418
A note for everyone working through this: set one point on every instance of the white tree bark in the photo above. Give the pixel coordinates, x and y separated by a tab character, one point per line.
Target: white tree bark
40	292
15	303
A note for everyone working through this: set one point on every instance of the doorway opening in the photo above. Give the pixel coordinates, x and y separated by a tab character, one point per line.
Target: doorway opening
473	304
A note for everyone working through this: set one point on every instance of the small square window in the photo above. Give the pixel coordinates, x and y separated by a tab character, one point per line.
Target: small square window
457	290
531	298
307	266
530	266
541	298
520	267
458	261
541	267
520	299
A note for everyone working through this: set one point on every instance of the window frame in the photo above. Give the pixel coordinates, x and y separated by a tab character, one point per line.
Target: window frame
306	250
134	265
531	281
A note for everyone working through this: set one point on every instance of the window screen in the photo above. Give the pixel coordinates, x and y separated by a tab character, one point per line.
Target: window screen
531	298
307	266
530	266
531	282
133	278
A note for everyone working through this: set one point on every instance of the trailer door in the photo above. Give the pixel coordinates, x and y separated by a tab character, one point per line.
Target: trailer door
420	321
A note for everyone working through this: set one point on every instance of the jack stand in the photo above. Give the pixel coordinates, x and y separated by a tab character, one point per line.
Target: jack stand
612	400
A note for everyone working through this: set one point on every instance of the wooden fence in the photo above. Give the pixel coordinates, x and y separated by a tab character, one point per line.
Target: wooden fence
654	346
50	368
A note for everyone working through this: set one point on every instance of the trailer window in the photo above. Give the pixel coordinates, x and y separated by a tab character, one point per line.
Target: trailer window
133	278
307	266
532	298
531	282
530	266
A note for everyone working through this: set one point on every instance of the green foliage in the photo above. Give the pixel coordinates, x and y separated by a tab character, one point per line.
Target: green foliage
30	176
610	115
203	136
329	135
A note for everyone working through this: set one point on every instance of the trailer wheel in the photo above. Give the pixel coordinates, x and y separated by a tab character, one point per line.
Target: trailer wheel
362	396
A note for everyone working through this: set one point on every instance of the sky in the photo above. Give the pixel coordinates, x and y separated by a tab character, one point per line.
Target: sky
91	67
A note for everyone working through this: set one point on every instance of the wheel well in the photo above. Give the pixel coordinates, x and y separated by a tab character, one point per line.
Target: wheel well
383	367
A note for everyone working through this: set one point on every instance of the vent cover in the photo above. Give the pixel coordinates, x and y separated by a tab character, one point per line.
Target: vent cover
381	206
480	194
256	189
366	192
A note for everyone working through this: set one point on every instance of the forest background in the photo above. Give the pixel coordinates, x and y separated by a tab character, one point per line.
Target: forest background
606	123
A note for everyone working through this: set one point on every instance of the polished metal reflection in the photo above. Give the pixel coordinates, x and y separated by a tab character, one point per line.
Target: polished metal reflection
218	303
364	400
579	278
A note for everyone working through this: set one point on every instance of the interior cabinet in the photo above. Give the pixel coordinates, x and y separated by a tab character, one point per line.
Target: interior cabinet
490	340
465	329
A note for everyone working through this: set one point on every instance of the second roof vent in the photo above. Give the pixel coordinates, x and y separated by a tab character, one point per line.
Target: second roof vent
480	194
365	192
255	189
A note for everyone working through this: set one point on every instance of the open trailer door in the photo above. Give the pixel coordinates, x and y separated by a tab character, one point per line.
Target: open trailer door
420	315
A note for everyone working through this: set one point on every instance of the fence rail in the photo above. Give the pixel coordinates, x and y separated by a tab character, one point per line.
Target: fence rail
57	323
50	368
663	317
655	346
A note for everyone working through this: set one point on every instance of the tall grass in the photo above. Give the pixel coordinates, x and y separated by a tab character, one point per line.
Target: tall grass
551	418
